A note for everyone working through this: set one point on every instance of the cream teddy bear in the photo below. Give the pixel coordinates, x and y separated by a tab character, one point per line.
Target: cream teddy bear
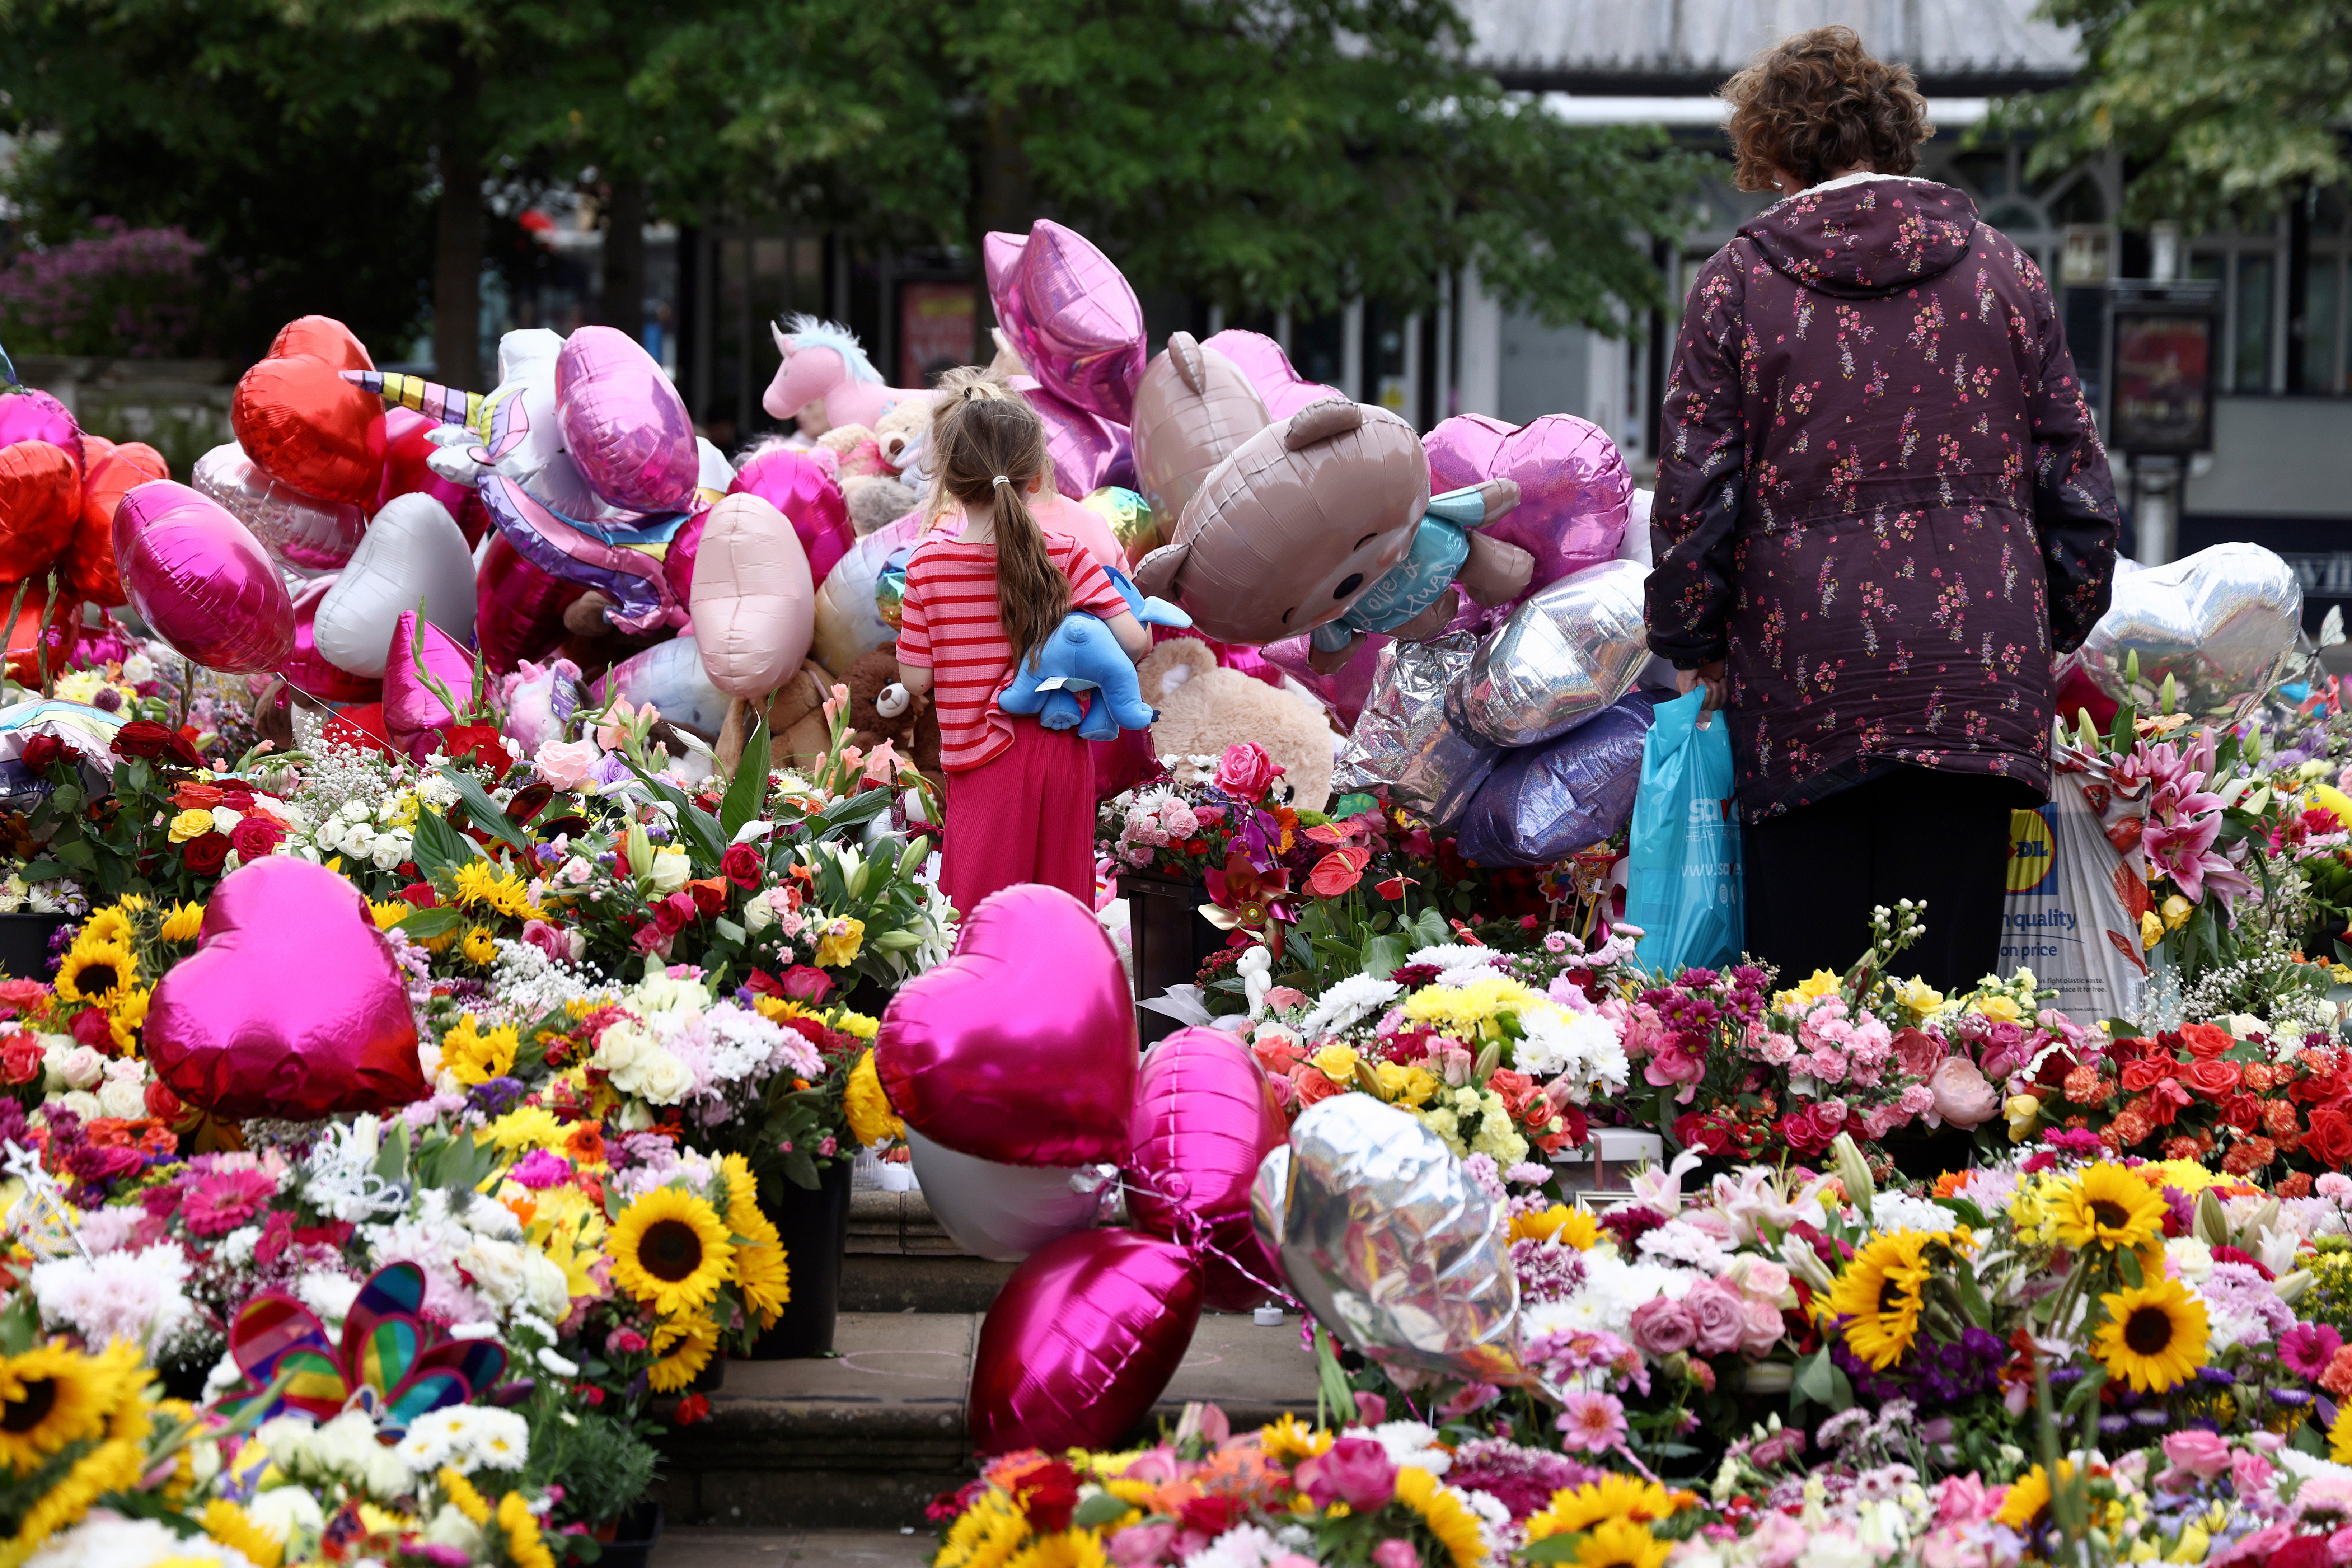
1203	708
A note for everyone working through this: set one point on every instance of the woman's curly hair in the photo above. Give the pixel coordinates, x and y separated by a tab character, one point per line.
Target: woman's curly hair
1817	104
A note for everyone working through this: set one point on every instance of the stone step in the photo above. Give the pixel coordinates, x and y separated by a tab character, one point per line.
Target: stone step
864	1439
898	1259
689	1547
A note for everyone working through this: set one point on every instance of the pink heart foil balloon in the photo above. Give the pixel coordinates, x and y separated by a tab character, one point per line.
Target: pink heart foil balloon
35	415
1574	490
1087	451
291	1005
1205	1117
1071	314
1080	1341
1021	1048
623	424
414	715
800	486
199	577
307	667
1269	369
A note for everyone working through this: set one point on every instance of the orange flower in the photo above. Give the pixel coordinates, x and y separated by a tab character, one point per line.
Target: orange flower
585	1144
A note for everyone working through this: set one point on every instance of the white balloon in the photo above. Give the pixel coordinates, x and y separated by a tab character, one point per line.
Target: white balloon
847	623
717	473
670	677
1002	1212
754	605
414	551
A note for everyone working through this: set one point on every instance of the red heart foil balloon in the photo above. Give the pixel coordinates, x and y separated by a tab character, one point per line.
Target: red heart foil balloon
1575	492
406	472
291	1005
34	416
414	714
40	501
360	725
309	669
201	580
1021	1048
302	424
108	473
517	608
23	638
1206	1118
1080	1341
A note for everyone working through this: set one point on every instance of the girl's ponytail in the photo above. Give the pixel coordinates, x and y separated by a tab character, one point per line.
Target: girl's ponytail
987	445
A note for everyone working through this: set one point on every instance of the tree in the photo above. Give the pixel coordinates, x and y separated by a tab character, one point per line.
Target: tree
1260	155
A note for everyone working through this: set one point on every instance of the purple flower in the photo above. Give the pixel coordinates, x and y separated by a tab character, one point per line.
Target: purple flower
1521	1479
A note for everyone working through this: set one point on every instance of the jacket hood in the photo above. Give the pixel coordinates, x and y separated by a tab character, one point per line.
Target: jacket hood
1871	236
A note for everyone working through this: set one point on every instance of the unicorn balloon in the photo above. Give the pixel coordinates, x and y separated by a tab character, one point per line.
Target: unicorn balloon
827	379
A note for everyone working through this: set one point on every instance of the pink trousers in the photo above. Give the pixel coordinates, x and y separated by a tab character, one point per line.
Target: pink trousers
1026	815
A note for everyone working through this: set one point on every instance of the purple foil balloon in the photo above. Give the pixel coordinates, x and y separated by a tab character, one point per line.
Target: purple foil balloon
1345	689
1574	491
624	423
1081	1340
1269	369
1070	313
1021	1048
1205	1117
34	416
414	714
290	1006
1544	803
1086	449
201	580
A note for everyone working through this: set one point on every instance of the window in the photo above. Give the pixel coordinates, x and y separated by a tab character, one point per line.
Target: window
2250	359
2322	314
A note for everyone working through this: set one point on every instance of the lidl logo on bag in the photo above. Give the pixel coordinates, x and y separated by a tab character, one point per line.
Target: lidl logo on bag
2032	868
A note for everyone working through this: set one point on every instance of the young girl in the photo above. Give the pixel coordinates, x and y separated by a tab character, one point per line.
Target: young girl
987	585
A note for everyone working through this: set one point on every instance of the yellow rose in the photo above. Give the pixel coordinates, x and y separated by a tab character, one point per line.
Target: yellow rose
871	1119
1996	1006
1337	1063
2177	910
1919	995
2024	1112
2151	929
191	825
1820	983
838	946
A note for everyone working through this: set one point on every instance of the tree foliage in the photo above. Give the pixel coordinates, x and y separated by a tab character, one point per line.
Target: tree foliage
2222	109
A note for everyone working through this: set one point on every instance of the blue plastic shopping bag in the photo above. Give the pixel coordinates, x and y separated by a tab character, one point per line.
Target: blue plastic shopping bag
1683	887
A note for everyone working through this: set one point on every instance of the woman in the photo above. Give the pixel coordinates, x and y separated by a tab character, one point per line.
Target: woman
1882	508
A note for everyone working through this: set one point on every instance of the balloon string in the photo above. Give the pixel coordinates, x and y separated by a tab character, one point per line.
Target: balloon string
1195	1236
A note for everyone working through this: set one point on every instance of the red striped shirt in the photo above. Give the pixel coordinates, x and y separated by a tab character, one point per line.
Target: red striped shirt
948	624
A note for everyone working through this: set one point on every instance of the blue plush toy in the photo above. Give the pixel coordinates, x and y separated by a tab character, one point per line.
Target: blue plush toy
1083	655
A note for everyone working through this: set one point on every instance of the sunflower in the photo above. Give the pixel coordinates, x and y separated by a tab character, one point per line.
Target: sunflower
127	1017
1290	1439
182	924
1615	1543
96	973
230	1525
1612	1497
1880	1292
669	1250
2339	1436
480	947
1571	1227
524	1548
110	924
476	1057
2107	1207
50	1397
685	1348
1064	1549
1447	1517
984	1536
462	1496
759	1269
2027	1506
2155	1335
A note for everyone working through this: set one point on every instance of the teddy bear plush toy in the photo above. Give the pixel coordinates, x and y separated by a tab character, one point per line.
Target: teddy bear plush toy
797	730
881	710
1203	708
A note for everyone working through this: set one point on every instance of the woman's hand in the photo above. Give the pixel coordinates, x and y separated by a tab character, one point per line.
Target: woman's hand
1710	675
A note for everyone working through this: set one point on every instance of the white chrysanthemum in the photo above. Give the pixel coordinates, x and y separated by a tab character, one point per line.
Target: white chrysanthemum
110	1540
1348	1004
1583	1048
1244	1546
1458	964
329	1294
1412	1443
134	1296
1612	1289
1679	1241
1891	1212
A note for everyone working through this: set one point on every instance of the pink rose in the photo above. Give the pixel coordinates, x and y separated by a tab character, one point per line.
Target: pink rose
1246	773
1765	1281
2201	1453
1353	1470
1763	1327
1395	1554
1962	1096
1720	1316
566	763
1920	1052
1140	1545
1662	1326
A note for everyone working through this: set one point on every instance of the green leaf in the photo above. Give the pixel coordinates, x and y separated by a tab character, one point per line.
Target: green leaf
1813	1382
1841	1390
693	823
2086	1392
438	846
1331	1380
1562	1548
392	1154
749	787
1100	1509
423	925
67	797
2127	1265
1383	955
484	813
43	872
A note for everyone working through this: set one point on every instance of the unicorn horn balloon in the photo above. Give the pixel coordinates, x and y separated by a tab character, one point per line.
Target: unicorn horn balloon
512	427
827	379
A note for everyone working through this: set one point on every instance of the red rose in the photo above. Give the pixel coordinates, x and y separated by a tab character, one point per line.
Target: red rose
742	864
1246	773
2329	1138
2244	1111
803	983
255	837
2147	1073
40	751
235	796
20	1059
89	1027
163	1104
1702	1134
672	913
2205	1040
479	742
145	738
207	853
2212	1079
1049	1494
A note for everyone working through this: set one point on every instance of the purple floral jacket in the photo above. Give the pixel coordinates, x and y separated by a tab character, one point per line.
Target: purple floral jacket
1880	494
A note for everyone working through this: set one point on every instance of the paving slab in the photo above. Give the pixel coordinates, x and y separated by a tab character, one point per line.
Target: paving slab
704	1547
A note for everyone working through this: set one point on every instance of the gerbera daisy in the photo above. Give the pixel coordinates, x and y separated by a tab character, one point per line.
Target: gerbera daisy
1447	1515
2027	1506
2107	1207
669	1250
585	1144
52	1397
1880	1292
2155	1335
1615	1543
96	973
1612	1497
1591	1421
685	1348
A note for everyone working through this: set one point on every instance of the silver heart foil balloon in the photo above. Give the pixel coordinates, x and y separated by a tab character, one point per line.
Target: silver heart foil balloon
1389	1243
1569	651
2221	622
1403	739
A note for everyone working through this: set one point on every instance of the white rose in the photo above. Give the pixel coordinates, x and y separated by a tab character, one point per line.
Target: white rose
662	1078
283	1438
82	1102
82	1066
670	870
621	1045
545	1290
387	1476
291	1514
358	842
125	1097
390	850
225	820
451	1529
496	1268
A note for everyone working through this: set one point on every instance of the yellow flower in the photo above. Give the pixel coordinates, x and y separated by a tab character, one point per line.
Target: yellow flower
1065	1549
2177	910
233	1528
858	1024
190	825
1820	983
524	1548
2151	929
984	1536
480	886
2108	1207
838	946
872	1120
112	1466
390	913
2155	1335
182	924
1335	1062
477	1058
525	1127
1882	1292
463	1497
127	1017
51	1398
109	924
96	973
2024	1113
1447	1517
1998	1007
1615	1543
1571	1227
760	1271
1919	995
479	948
2339	1436
1290	1439
2028	1497
669	1250
1468	1012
